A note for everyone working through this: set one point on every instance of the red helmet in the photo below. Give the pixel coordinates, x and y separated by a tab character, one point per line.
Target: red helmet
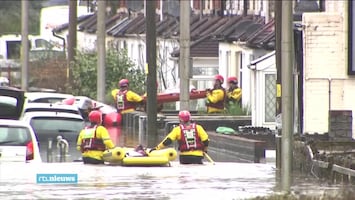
220	78
184	115
232	79
95	117
123	83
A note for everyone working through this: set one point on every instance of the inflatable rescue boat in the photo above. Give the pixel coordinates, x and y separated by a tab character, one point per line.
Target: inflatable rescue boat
129	157
113	119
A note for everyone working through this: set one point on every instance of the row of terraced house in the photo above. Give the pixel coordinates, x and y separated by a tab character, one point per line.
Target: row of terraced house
237	38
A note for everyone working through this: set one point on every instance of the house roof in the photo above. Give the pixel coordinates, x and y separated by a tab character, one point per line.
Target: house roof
263	37
262	58
66	25
206	31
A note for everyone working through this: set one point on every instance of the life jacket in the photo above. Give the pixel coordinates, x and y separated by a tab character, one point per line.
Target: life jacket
230	92
189	138
121	101
219	104
91	142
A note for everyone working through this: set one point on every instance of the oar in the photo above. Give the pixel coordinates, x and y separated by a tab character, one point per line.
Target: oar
208	158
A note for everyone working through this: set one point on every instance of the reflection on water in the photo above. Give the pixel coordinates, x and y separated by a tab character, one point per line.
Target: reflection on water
223	180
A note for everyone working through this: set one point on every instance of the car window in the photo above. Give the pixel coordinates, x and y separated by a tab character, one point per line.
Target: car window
12	101
47	100
12	135
56	123
8	105
41	109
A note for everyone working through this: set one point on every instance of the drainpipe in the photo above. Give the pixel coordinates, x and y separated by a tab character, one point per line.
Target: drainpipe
62	38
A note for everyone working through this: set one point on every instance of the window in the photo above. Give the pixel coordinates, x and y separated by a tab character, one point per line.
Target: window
13	49
60	124
270	97
8	105
48	100
11	135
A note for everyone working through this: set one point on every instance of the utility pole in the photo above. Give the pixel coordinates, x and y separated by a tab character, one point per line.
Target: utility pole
101	49
71	38
24	44
151	54
184	61
287	95
278	28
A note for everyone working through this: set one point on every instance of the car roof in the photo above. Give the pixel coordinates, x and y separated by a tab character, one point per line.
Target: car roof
14	123
31	96
49	114
53	107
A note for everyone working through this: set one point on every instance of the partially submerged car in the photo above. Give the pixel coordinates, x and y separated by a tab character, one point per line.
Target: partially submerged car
57	133
12	101
18	142
46	97
17	138
51	107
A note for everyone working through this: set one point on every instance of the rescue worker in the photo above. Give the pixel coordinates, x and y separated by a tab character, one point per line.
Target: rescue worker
126	100
234	93
215	100
94	140
192	138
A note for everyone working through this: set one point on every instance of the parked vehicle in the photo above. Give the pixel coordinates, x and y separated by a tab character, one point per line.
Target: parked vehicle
57	133
17	138
51	107
12	101
46	97
18	142
39	47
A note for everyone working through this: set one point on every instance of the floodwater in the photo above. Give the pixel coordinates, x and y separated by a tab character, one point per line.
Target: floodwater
219	181
229	178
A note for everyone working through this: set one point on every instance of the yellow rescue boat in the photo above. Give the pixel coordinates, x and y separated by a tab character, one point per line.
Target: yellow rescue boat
129	157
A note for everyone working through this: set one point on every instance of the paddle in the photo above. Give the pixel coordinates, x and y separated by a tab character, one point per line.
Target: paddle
208	158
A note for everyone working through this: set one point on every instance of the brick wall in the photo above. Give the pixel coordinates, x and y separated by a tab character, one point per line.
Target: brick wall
327	85
340	125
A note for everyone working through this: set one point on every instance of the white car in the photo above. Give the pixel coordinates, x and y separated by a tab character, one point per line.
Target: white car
18	142
17	138
54	129
51	107
46	97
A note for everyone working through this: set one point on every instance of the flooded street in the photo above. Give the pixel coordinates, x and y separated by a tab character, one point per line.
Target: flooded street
230	178
223	180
